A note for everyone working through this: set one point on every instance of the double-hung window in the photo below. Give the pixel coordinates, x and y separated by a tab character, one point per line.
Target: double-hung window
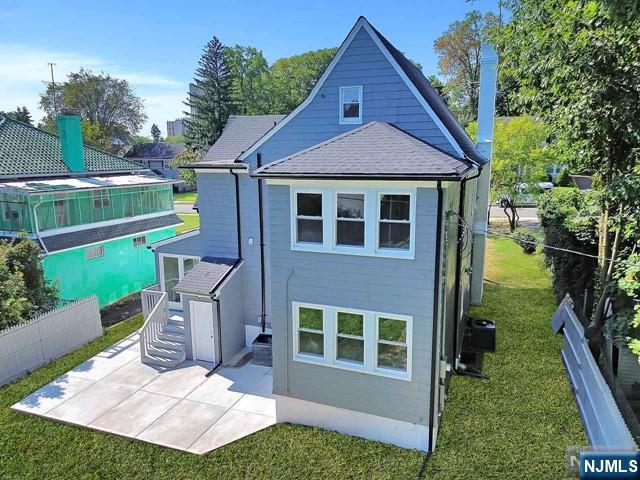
350	223
395	222
310	325
309	220
353	220
352	339
351	104
391	343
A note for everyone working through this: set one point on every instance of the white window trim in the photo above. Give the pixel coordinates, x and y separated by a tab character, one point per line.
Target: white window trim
143	238
370	331
388	342
297	217
372	197
350	121
181	258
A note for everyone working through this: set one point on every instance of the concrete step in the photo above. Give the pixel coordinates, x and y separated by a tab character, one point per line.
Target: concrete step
176	343
172	336
164	352
160	361
173	328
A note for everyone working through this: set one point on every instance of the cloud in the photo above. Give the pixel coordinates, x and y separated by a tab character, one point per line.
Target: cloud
25	71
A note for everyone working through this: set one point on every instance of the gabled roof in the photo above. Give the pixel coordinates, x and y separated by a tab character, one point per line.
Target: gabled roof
240	132
376	150
27	151
435	101
416	82
155	150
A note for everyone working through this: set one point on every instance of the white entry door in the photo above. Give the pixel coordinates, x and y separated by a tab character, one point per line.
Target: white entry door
203	331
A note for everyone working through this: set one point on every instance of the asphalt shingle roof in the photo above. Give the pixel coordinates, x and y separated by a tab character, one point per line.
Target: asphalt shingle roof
29	151
205	276
240	132
374	150
435	101
63	241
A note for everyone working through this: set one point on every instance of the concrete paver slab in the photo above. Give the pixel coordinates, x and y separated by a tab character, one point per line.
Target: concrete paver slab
50	396
180	381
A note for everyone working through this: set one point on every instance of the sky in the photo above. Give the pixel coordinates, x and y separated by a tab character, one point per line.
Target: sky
156	45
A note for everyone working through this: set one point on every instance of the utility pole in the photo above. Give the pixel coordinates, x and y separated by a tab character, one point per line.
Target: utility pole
53	86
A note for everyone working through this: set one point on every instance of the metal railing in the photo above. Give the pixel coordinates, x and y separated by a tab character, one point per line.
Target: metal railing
155	309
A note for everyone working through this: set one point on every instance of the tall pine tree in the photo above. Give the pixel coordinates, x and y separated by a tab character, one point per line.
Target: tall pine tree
211	100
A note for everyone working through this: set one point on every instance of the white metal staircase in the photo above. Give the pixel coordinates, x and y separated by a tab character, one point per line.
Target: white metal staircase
162	339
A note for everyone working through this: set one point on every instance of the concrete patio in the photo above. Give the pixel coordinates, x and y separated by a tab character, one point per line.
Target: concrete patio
178	408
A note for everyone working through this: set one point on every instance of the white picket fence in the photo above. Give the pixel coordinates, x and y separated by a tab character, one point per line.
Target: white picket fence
26	347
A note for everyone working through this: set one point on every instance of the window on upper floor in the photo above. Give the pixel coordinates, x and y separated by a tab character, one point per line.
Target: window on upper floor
309	220
352	339
395	222
364	221
94	252
351	104
140	241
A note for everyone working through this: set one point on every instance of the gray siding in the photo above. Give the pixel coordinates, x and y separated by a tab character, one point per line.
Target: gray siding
231	300
378	284
386	98
217	206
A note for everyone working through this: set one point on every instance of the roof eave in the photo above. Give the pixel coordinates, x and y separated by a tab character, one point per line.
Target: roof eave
222	166
377	177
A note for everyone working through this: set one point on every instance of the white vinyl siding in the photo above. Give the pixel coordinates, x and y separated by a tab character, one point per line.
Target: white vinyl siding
352	339
354	221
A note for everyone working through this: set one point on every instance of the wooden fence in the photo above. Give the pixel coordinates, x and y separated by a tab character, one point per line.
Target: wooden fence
26	347
602	419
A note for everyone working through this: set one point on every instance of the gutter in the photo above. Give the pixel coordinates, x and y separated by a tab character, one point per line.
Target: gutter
433	178
435	321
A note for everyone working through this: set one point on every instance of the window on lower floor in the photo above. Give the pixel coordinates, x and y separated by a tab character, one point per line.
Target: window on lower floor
140	241
359	340
94	252
310	331
391	345
350	337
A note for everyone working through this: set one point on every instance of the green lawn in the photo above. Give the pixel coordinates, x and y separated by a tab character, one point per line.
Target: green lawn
191	221
186	197
517	424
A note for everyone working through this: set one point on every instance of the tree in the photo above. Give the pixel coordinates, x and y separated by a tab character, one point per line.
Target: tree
174	139
211	101
156	134
249	70
93	134
186	158
21	114
99	99
458	51
439	87
291	79
577	65
520	154
24	291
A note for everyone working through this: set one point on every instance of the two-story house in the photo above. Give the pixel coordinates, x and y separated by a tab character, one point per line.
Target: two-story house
359	252
93	213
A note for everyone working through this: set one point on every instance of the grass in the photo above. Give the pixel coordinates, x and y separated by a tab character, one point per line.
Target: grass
185	197
518	423
191	222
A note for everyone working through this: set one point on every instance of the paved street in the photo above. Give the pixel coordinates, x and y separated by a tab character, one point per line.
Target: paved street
526	213
184	208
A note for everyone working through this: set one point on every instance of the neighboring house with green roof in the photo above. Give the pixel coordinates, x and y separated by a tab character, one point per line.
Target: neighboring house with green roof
92	212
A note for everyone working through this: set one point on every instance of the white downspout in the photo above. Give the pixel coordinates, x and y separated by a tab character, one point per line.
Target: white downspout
37	228
486	114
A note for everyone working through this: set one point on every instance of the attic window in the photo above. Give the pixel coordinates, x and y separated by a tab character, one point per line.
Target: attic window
351	104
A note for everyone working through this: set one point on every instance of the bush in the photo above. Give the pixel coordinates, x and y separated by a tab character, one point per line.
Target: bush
563	179
526	239
24	292
569	221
